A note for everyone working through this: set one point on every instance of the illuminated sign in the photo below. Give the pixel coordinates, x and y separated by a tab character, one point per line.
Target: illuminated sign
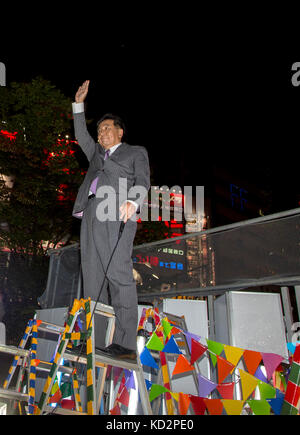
156	262
237	196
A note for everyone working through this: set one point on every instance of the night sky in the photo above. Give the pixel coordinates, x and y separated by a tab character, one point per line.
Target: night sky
194	88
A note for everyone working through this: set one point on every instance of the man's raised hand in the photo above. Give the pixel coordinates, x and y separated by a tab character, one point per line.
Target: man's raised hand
82	92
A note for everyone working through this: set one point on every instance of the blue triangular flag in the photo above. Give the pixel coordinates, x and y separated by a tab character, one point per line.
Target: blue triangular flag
79	323
147	359
148	384
171	346
292	346
276	405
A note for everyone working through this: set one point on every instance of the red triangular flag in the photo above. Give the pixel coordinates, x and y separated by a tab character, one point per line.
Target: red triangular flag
68	404
224	368
124	397
214	406
183	403
182	365
226	390
197	349
115	410
175	331
198	404
56	397
252	359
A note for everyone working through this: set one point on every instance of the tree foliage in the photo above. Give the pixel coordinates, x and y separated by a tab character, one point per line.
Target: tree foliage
35	119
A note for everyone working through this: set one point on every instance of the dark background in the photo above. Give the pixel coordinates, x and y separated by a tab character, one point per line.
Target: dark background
196	87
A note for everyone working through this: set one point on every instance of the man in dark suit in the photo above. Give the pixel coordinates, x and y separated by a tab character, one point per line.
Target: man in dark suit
115	168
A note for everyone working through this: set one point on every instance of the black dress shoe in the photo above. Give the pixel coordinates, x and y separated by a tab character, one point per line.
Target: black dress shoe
117	351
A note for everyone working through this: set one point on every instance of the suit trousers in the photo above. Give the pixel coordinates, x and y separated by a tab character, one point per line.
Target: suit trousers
97	241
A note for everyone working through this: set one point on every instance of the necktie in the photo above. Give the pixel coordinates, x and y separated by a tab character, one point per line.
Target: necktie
93	186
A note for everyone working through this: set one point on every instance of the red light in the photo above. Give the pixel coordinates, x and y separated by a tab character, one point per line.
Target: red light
10	136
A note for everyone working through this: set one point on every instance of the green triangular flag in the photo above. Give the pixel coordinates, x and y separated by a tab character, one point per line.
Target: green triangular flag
154	343
66	389
156	390
259	407
166	327
55	387
266	391
216	348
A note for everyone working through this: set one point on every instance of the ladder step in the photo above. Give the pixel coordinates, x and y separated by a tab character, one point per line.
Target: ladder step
9	394
106	360
103	309
62	411
13	350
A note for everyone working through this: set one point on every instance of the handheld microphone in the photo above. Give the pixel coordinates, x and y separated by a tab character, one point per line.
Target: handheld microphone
122	226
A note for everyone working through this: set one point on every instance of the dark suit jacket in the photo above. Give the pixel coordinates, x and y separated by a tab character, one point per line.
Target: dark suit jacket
128	161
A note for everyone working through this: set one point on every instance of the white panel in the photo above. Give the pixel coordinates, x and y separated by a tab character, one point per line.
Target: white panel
256	322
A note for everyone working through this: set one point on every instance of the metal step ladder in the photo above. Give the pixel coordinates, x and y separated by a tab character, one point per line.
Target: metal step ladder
92	360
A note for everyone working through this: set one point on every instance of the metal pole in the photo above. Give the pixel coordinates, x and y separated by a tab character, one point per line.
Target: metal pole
288	313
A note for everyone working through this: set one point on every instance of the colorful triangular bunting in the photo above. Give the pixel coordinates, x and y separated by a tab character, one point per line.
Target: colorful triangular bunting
276	405
205	386
147	359
260	375
56	398
226	390
183	403
198	404
252	359
124	397
233	354
155	343
171	346
197	349
266	391
182	365
167	328
130	383
214	406
224	368
248	383
271	362
233	407
156	390
214	349
115	410
259	407
189	336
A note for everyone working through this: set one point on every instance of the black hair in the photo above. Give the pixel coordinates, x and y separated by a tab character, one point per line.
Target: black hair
118	121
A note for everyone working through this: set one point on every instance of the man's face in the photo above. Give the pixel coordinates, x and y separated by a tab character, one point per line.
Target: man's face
108	134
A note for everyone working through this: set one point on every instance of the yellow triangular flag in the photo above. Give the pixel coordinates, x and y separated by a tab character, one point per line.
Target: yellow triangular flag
233	407
175	396
248	383
233	354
